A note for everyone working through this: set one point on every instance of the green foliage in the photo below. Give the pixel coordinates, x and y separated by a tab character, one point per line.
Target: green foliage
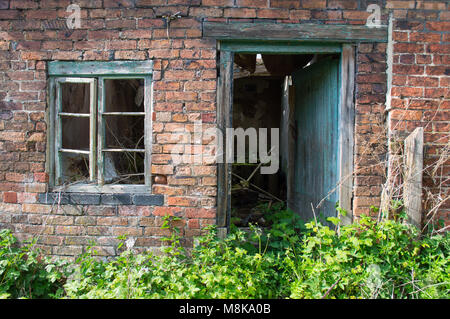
25	273
290	259
174	240
214	269
369	260
285	229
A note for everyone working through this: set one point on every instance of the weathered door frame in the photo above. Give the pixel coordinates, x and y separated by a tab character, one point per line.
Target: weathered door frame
289	39
346	114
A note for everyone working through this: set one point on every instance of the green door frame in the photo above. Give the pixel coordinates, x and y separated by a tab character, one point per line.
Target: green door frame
227	49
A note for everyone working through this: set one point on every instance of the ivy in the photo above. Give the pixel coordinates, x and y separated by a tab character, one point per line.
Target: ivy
290	259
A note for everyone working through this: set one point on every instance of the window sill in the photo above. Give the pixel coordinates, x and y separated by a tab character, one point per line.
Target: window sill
119	189
85	198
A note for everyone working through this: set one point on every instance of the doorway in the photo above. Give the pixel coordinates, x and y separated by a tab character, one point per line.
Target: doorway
301	94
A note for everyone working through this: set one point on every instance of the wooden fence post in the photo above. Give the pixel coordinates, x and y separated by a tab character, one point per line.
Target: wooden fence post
412	189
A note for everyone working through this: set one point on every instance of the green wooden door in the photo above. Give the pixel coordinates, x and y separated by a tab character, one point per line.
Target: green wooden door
317	132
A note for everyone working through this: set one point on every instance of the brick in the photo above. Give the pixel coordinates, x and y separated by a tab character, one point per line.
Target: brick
113	221
23	4
239	13
423	59
314	4
147	221
157	231
438	70
273	13
428	5
85	199
148	200
172	138
128	231
408	48
200	213
35	187
167	190
181	96
115	199
71	210
67	250
438	26
177	180
164	211
190	23
218	3
98	230
4	4
85	220
179	75
406	115
356	15
69	230
438	48
130	55
408	69
342	4
396	4
198	43
193	223
121	45
58	220
26	197
41	177
132	211
425	81
66	55
102	35
424	37
182	201
53	198
151	23
444	15
10	197
163	53
259	3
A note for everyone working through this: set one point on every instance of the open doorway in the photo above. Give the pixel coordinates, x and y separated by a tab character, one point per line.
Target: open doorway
298	94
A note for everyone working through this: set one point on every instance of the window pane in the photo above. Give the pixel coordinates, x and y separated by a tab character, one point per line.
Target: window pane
124	95
74	168
124	168
124	131
75	133
75	98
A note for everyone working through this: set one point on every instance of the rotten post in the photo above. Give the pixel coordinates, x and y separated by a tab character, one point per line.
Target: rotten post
412	189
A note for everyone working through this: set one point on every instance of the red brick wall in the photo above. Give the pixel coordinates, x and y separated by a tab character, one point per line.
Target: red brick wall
421	91
34	32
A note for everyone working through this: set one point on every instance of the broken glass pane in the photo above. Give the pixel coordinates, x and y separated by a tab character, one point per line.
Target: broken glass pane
74	168
124	131
75	98
75	133
124	167
124	95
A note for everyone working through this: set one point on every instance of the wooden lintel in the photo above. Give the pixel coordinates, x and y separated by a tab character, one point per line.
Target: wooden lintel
284	31
92	68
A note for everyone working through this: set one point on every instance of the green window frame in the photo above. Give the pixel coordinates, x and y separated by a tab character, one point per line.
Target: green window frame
94	74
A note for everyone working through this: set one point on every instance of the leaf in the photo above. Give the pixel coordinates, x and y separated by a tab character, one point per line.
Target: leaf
334	220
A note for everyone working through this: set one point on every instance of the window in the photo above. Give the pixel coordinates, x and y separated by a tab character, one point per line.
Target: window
100	126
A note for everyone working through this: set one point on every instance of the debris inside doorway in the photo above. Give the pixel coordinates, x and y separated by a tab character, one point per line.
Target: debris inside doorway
256	104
